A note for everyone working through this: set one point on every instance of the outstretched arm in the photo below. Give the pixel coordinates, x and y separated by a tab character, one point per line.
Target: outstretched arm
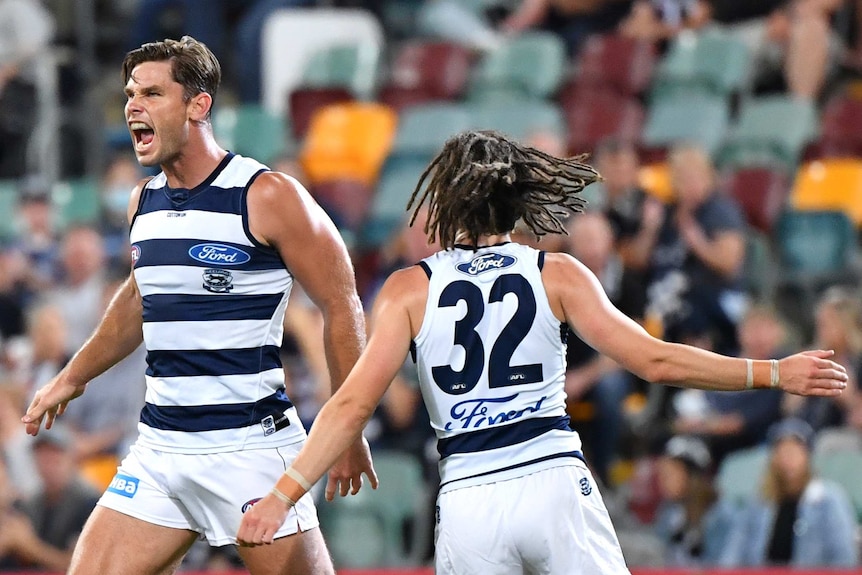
283	215
578	299
118	334
342	418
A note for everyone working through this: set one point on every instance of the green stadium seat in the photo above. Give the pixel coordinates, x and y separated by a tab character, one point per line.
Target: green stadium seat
423	129
8	207
388	206
771	128
701	119
532	65
352	66
250	130
740	474
77	202
759	269
711	62
397	508
845	469
518	118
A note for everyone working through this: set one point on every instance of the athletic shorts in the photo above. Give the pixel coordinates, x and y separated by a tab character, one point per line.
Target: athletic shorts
552	521
206	493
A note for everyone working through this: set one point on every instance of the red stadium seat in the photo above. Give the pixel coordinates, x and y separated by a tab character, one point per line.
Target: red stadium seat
840	130
346	201
440	69
762	193
592	116
624	64
304	102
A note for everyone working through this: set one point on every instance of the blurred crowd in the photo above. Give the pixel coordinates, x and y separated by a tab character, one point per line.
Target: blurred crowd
692	478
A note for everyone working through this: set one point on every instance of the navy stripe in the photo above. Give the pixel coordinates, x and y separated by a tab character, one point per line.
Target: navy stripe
190	363
177	253
575	454
427	269
213	199
184	307
500	436
212	417
243	208
541	260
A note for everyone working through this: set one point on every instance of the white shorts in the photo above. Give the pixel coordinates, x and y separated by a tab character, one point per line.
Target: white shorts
206	493
548	522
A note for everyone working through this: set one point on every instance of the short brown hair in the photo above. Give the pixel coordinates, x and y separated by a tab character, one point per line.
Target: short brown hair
193	65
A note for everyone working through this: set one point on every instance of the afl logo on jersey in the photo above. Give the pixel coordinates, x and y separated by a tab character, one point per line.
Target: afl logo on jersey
486	262
248	504
136	253
218	254
217	281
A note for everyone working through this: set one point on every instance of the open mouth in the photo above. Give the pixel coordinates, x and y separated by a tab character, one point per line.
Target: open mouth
142	134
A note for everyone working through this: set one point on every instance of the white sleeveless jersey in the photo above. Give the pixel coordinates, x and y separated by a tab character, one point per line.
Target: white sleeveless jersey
491	360
213	310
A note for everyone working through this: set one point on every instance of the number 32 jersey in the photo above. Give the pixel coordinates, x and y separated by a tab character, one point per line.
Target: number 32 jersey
491	360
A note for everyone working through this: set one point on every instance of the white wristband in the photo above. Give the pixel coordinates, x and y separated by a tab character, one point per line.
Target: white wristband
284	498
298	477
773	373
749	374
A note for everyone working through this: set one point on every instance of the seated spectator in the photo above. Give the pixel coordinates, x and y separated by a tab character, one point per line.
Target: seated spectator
800	520
696	263
735	420
837	326
37	237
44	533
658	21
691	521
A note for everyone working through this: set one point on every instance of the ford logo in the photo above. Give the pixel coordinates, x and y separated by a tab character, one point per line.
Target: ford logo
218	254
486	262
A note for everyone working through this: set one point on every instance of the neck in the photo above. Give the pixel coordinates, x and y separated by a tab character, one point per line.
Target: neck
484	240
197	160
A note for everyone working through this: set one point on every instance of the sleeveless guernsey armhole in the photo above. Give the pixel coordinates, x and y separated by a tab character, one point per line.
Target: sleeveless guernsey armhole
427	269
140	201
541	261
244	210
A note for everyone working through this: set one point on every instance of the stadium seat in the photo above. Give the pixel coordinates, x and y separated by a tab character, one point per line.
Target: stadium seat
8	207
389	204
710	62
591	116
845	469
350	66
701	119
304	102
759	268
399	508
830	184
761	191
346	201
517	119
439	69
771	128
77	202
620	63
250	130
423	129
348	141
529	65
740	474
840	129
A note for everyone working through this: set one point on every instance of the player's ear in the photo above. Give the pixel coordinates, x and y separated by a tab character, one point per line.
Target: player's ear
199	107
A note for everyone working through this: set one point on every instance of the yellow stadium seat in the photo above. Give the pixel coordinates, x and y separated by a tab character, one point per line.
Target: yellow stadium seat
655	179
98	470
348	141
829	184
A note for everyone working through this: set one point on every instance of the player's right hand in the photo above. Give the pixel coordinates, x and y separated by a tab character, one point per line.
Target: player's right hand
50	401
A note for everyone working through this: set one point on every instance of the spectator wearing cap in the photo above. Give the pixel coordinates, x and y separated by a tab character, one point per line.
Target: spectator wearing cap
37	237
800	520
43	534
691	521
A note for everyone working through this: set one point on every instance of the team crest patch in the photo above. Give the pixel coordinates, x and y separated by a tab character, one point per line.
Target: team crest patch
217	281
486	262
586	488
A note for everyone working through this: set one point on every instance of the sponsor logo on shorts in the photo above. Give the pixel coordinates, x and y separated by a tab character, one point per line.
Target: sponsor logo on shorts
248	504
124	485
486	262
586	488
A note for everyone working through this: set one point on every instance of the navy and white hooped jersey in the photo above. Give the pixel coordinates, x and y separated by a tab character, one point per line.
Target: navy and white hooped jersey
213	310
492	365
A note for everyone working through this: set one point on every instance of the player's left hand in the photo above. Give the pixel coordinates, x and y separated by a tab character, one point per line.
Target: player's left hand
260	523
346	475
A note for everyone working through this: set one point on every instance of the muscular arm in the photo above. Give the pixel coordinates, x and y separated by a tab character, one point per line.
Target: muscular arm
577	298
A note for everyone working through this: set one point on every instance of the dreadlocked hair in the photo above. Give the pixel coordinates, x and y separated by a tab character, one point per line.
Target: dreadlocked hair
482	183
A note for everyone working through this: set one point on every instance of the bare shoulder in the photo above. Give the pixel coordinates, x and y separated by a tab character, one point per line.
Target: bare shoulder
276	188
135	198
405	290
563	275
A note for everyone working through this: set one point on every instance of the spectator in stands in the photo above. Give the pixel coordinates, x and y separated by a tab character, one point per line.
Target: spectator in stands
37	236
691	521
48	335
658	21
800	521
837	326
736	420
590	375
118	180
791	40
12	324
78	295
44	533
696	263
25	33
